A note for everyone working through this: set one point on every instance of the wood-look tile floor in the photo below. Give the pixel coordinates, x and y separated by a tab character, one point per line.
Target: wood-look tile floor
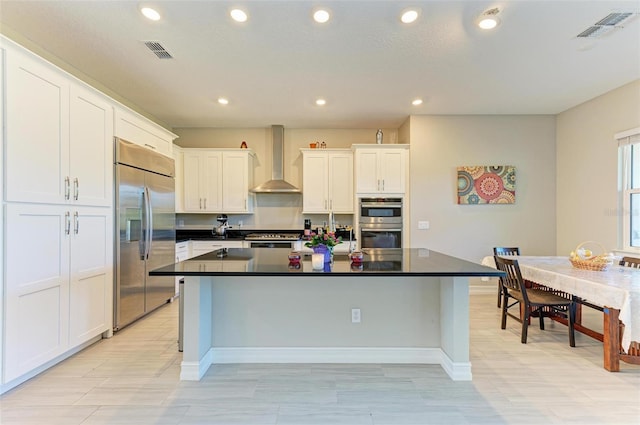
133	378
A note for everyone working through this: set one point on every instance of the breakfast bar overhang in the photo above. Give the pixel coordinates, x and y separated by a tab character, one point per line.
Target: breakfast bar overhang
254	306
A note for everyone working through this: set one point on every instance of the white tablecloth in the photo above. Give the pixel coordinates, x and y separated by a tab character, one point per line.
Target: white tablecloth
618	287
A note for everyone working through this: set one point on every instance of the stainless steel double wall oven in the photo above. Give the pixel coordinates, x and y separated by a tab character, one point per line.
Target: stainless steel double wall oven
380	223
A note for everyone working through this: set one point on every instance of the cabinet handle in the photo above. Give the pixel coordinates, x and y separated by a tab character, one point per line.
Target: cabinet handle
150	146
383	185
67	225
67	188
325	204
76	223
76	188
205	203
331	204
200	203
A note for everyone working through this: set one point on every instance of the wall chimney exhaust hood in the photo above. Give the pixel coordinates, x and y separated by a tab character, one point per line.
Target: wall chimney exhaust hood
277	184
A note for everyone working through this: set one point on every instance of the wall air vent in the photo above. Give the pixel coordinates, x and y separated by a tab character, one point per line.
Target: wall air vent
158	50
608	23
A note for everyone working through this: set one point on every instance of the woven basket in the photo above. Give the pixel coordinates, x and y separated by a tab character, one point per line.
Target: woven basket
586	259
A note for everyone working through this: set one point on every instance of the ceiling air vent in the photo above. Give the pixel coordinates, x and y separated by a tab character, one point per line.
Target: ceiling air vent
608	23
157	48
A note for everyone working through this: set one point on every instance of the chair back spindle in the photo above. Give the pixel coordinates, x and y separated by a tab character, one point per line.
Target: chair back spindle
505	250
513	280
630	262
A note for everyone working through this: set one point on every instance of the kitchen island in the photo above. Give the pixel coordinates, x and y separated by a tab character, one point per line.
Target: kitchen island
254	306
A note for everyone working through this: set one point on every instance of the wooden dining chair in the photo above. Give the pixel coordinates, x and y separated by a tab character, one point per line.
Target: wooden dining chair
630	262
534	300
502	250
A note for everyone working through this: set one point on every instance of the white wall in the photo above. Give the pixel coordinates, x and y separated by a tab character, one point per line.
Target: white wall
587	167
439	144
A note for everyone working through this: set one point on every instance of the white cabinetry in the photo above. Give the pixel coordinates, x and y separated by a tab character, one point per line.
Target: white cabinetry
60	137
237	179
203	247
58	223
327	180
136	129
380	169
178	158
202	185
183	250
218	180
58	277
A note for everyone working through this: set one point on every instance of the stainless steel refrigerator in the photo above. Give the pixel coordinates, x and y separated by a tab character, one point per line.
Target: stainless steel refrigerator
145	230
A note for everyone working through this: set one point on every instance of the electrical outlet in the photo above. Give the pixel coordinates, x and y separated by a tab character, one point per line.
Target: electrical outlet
423	225
355	315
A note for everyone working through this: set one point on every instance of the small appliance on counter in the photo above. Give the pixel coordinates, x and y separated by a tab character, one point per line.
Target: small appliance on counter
221	229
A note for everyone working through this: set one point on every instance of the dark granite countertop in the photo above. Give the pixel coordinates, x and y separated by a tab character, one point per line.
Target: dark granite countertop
275	262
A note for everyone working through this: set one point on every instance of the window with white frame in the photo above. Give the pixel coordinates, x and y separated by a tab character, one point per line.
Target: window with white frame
629	150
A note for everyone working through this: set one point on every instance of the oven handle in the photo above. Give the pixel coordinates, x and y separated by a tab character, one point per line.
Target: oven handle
381	205
365	229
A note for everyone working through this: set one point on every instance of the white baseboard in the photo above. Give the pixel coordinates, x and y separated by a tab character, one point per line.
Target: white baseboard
327	355
36	371
484	289
193	371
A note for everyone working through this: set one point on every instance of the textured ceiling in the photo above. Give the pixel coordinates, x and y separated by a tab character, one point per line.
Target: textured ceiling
364	62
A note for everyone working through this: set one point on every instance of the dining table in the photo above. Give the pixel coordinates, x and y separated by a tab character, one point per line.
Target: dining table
615	291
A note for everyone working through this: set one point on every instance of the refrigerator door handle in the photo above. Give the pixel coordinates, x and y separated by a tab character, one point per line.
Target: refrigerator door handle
149	220
142	241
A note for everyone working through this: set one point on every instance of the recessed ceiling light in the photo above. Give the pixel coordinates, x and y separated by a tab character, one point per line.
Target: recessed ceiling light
416	102
409	16
238	15
321	16
321	102
489	19
223	101
150	13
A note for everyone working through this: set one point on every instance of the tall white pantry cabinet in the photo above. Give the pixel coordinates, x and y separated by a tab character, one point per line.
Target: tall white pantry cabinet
57	255
58	169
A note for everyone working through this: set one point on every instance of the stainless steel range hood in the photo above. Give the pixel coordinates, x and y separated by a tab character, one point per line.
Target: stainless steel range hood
277	184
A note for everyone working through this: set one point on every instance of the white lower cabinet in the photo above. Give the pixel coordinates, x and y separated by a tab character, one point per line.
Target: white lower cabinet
183	250
58	282
203	247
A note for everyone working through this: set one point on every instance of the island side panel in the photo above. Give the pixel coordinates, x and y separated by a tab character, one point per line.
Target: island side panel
399	316
196	356
454	325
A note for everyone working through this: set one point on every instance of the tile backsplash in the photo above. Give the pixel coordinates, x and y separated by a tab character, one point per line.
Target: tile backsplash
273	210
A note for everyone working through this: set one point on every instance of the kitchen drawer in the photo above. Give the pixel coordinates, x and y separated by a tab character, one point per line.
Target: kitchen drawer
202	247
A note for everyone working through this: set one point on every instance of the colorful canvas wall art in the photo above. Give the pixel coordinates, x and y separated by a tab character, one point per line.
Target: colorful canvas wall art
493	184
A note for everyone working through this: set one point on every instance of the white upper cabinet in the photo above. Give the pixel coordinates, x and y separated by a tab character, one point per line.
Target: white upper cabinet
217	180
237	179
91	148
37	130
202	188
136	129
327	181
381	169
59	137
178	158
